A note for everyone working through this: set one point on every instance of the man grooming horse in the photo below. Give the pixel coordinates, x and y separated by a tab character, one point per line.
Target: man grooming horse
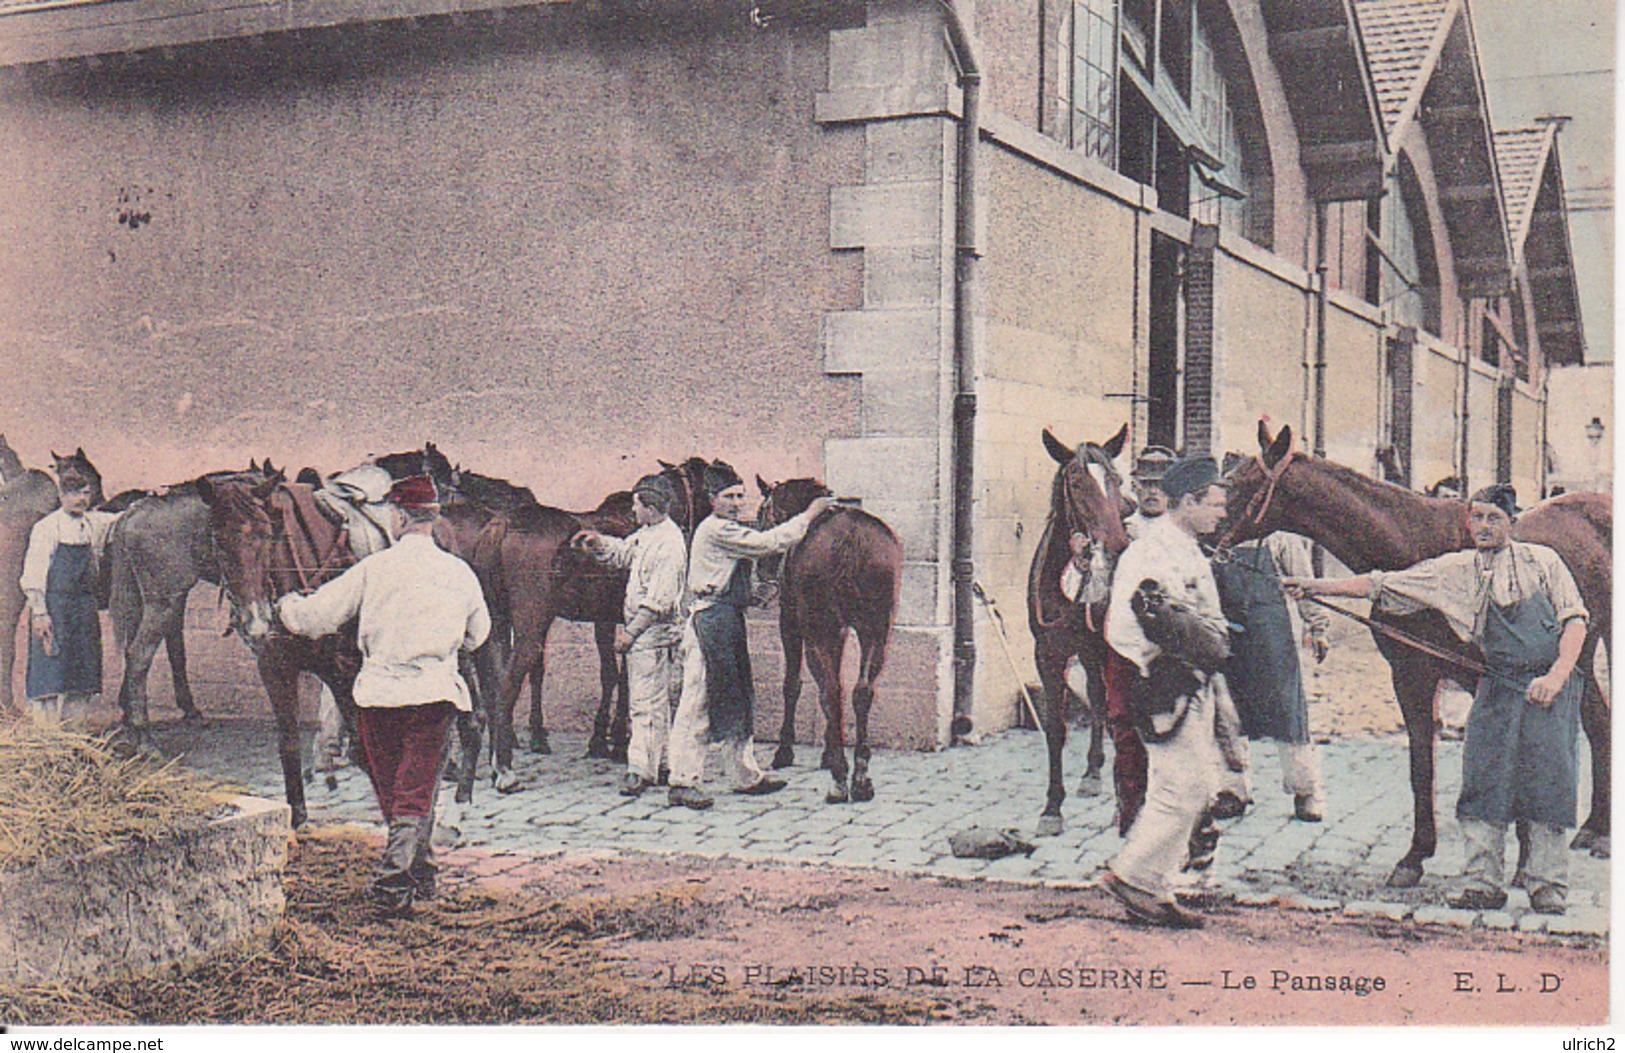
657	560
718	695
1519	603
418	606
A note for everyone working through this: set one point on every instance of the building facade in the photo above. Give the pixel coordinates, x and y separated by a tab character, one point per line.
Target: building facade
885	243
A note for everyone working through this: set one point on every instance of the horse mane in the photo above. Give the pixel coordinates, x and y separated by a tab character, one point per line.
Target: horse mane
497	495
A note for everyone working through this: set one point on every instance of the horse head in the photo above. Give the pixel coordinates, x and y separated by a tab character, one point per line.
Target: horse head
784	501
245	536
1087	496
1253	511
80	463
687	481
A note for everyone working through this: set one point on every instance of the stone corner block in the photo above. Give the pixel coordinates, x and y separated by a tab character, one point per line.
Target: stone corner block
890	215
860	341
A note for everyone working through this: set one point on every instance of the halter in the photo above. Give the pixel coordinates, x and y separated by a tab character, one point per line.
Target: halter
1067	520
292	524
1259	506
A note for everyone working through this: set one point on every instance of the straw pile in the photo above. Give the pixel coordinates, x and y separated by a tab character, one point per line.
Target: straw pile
63	793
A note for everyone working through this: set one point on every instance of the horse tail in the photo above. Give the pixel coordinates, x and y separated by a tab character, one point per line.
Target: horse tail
124	596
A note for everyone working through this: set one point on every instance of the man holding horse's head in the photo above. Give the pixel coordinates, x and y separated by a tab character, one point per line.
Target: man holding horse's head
718	695
418	607
1518	602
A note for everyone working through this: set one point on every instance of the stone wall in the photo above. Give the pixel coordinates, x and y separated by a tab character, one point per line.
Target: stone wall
136	908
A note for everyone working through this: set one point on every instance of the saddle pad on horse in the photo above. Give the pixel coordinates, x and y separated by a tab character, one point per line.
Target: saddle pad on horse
357	496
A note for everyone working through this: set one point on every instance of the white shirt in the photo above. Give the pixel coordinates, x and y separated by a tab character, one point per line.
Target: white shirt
657	560
59	528
720	543
1461	585
419	606
1171	557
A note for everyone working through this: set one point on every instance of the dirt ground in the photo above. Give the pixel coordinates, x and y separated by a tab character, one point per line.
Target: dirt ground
647	940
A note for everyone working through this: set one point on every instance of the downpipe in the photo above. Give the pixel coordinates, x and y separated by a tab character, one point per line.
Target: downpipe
966	254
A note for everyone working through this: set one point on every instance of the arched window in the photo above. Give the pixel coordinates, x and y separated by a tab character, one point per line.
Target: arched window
1237	195
1410	279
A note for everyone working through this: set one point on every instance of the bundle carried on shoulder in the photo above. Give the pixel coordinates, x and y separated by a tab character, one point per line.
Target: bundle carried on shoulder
1193	648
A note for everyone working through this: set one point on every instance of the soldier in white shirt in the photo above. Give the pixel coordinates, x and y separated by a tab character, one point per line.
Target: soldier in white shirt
657	560
60	581
718	695
1181	745
418	606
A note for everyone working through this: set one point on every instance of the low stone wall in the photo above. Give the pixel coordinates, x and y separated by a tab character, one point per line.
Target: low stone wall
135	908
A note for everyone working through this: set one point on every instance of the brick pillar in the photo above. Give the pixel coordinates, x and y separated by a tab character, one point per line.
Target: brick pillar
1401	378
1198	372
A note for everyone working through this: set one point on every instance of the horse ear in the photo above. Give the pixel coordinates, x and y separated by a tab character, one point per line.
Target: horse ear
1264	436
664	465
80	453
269	470
1062	454
1114	445
264	489
762	486
1281	447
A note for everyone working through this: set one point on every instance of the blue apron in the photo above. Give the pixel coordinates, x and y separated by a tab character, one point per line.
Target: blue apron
70	599
1520	760
1266	682
720	628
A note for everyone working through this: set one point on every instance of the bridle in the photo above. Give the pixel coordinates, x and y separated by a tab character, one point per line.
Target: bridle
1259	506
308	565
1065	515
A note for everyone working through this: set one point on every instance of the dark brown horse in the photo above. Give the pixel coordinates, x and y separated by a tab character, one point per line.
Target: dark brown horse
1370	525
845	574
1086	498
26	496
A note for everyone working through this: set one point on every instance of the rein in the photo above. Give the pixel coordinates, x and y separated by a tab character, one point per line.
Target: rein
1063	515
294	520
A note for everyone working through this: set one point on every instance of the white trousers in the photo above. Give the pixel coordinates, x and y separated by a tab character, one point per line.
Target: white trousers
1300	771
70	711
1548	863
649	682
691	729
1182	779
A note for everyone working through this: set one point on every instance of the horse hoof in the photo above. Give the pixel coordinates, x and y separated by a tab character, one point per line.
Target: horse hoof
332	781
541	746
1583	840
838	794
618	754
506	782
1405	875
193	719
783	757
597	749
863	790
299	818
1089	785
1600	847
1050	825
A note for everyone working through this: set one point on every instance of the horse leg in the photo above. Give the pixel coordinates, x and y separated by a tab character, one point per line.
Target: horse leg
11	609
175	647
539	742
1090	784
1596	720
470	728
529	654
872	655
824	659
790	636
603	634
281	680
138	655
1052	672
620	729
1415	695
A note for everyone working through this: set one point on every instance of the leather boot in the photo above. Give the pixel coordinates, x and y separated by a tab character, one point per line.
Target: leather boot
393	888
424	872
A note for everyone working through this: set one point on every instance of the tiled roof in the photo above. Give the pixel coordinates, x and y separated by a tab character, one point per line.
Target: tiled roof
1398	35
1520	154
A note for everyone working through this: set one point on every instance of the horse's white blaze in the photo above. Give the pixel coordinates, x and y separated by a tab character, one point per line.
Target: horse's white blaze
1097	472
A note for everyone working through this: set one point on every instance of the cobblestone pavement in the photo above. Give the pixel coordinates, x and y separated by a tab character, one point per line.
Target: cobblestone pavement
570	805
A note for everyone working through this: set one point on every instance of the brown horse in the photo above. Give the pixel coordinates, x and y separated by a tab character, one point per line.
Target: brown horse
845	574
1371	525
272	538
26	496
1086	498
